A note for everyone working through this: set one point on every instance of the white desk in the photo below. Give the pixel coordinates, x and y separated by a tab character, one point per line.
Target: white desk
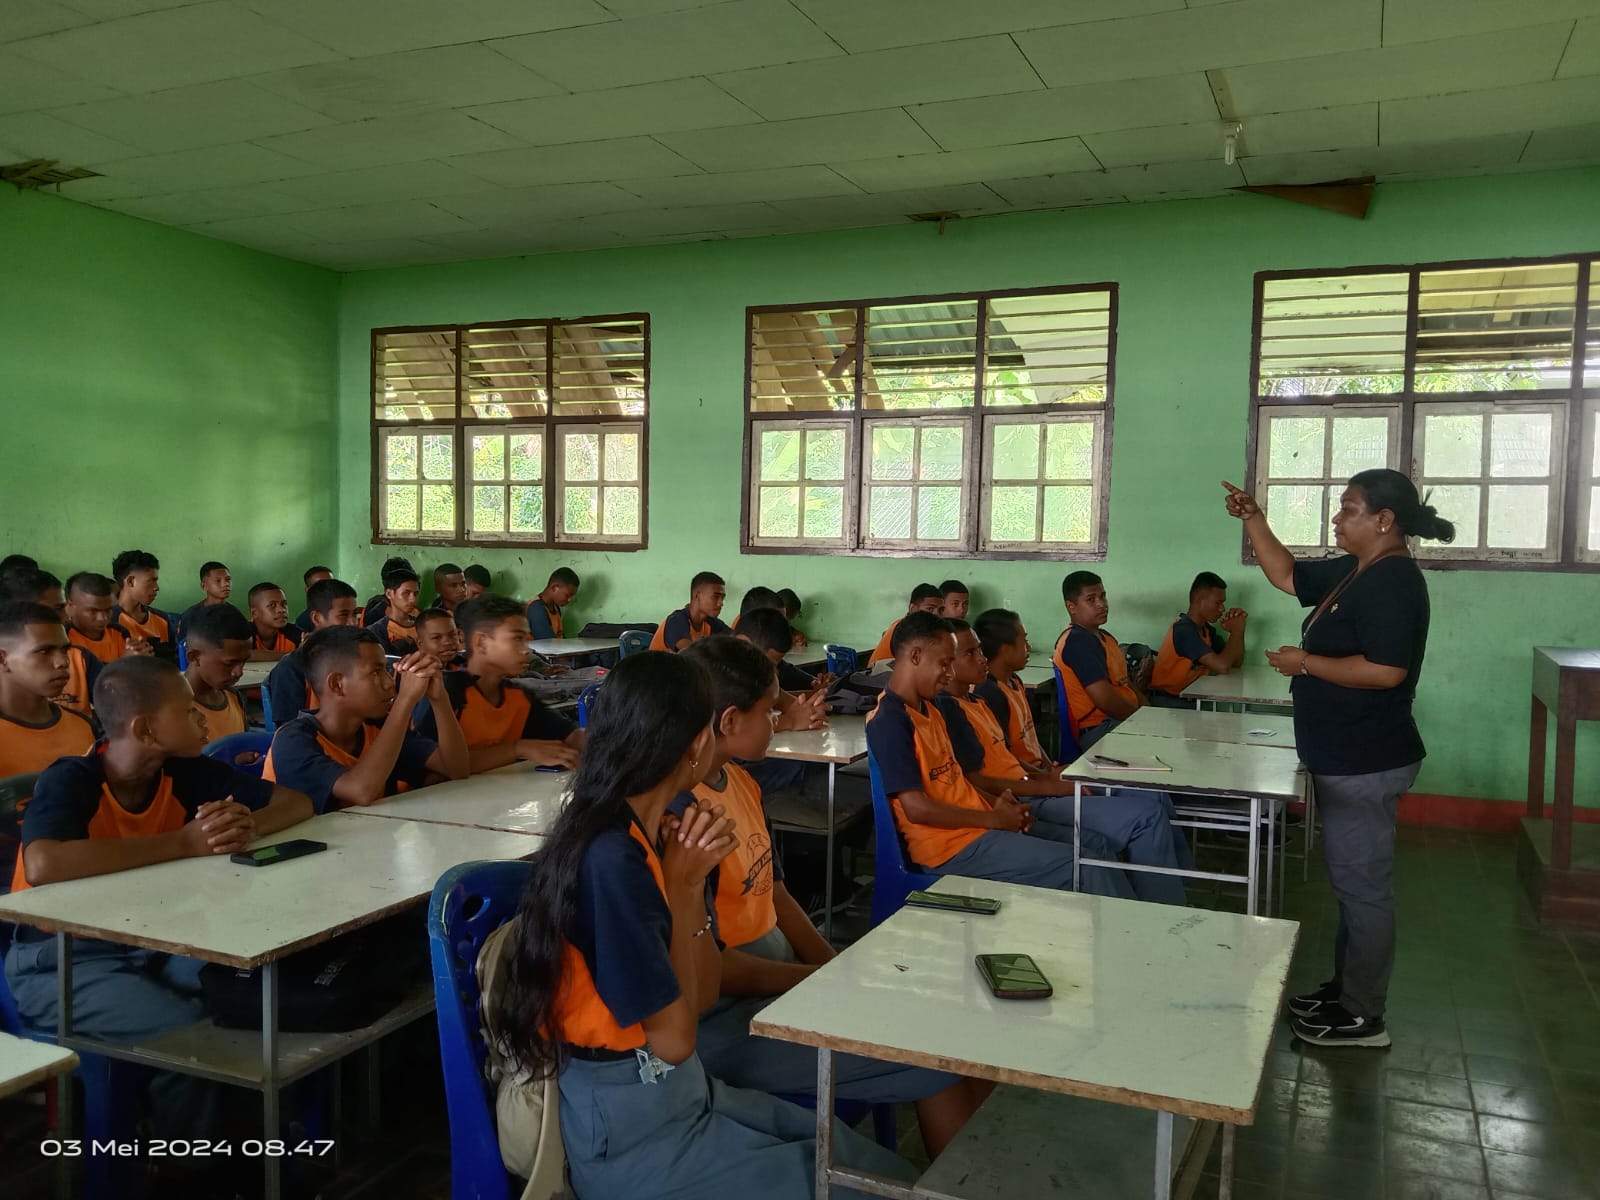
842	742
1269	776
519	798
807	656
1034	674
572	647
1154	1007
24	1063
1256	683
215	910
1242	729
255	674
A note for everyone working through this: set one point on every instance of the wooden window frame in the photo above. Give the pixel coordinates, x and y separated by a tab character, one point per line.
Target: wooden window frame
1378	406
1573	471
964	487
505	483
756	483
1039	483
560	482
547	423
975	485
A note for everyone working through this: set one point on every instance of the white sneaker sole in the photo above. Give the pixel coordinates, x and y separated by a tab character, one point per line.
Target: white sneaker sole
1376	1041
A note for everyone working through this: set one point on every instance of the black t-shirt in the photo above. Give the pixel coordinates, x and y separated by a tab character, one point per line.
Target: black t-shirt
1383	616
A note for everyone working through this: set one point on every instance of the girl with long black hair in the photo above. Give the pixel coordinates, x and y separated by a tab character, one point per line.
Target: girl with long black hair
616	959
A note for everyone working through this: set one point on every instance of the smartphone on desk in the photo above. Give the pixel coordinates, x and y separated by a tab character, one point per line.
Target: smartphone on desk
278	852
983	906
1014	977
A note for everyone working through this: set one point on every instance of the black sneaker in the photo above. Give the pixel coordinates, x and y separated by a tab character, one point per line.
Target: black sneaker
1333	1025
1307	1003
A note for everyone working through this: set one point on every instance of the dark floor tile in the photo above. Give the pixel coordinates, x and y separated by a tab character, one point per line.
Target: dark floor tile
1314	1100
1430	1121
1337	1136
1548	1179
1427	1089
1491	1020
1429	1060
1523	1047
1492	1068
1350	1069
1258	1162
1336	1177
1208	1189
1584	1085
1425	1187
1522	1103
1439	1160
1535	1138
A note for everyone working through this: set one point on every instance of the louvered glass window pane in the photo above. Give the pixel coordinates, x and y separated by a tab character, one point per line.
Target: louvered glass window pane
505	371
921	356
599	368
802	361
1495	329
1333	334
1052	349
414	375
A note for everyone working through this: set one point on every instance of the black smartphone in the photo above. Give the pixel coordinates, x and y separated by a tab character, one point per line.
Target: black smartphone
1014	977
280	852
983	906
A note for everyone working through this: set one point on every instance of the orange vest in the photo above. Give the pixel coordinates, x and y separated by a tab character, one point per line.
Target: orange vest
1021	736
485	724
745	908
75	695
153	628
225	721
111	820
344	758
553	611
25	749
1086	714
280	643
998	761
881	652
111	646
696	632
1173	672
944	783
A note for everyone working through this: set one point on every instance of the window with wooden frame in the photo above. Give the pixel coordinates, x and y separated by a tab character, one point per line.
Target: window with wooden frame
519	433
1476	378
960	425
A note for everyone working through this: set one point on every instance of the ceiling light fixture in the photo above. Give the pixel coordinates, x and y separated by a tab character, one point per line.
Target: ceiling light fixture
1230	141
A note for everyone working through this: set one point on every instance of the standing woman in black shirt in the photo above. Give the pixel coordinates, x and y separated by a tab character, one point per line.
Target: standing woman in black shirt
1354	674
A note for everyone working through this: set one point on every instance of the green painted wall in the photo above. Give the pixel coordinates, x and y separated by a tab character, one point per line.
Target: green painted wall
1185	270
165	391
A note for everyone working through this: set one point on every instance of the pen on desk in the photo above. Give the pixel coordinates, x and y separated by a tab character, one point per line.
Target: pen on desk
1106	760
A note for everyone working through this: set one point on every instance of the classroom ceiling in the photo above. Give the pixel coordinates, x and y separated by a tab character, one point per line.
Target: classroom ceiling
369	133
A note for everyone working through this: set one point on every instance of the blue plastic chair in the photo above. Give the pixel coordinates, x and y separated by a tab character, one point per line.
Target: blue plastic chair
586	700
1067	748
893	879
267	722
469	903
227	749
633	641
842	660
183	654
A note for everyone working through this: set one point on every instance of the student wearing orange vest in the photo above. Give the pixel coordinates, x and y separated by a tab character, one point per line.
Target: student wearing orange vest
138	578
217	643
1094	669
950	828
42	588
924	598
273	636
331	602
616	958
88	609
35	666
1208	639
696	619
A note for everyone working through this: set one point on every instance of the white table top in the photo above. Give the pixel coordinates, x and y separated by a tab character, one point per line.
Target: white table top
1033	674
806	656
216	910
843	741
1244	729
1198	768
1255	683
519	798
1154	1006
255	674
572	647
24	1063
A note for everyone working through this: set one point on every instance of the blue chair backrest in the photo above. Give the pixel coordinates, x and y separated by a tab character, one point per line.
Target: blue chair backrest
183	653
842	660
633	641
251	741
893	879
586	700
1067	748
267	722
469	903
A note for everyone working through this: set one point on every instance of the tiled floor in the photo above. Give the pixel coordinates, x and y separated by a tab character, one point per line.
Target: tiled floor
1492	1089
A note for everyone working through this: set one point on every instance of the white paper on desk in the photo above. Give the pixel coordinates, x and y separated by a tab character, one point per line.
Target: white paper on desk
1260	733
1134	766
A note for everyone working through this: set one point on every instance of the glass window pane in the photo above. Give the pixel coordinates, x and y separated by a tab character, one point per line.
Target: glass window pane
1335	495
580	510
921	355
1013	514
1453	446
527	510
1067	515
942	452
1594	520
438	507
400	456
583	457
890	512
622	512
488	456
780	454
489	509
1295	514
1016	453
802	361
825	454
939	513
1294	450
1519	445
1069	451
622	457
1048	349
527	456
1359	444
1519	516
892	452
1459	503
1333	334
400	506
780	513
824	512
438	457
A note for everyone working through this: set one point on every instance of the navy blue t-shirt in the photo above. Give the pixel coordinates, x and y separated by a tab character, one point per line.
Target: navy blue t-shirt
963	738
1188	641
301	762
676	627
624	928
892	738
539	620
286	688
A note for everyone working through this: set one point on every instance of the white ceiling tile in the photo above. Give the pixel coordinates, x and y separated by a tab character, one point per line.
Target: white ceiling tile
1326	166
1165	179
174	47
374	253
1394	72
1277	133
391	140
213	166
26	85
879	24
1503	110
988	66
392	85
40	135
842	210
1571	143
392	181
513	208
796	143
206	114
650	8
724	37
968	166
392	218
1060	112
110	10
666	107
361	27
1200	39
213	204
580	162
732	187
1057	191
696	219
500	243
30	18
1583	52
280	234
1424	20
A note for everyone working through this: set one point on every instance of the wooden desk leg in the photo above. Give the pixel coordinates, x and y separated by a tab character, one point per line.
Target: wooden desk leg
1561	812
1536	736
